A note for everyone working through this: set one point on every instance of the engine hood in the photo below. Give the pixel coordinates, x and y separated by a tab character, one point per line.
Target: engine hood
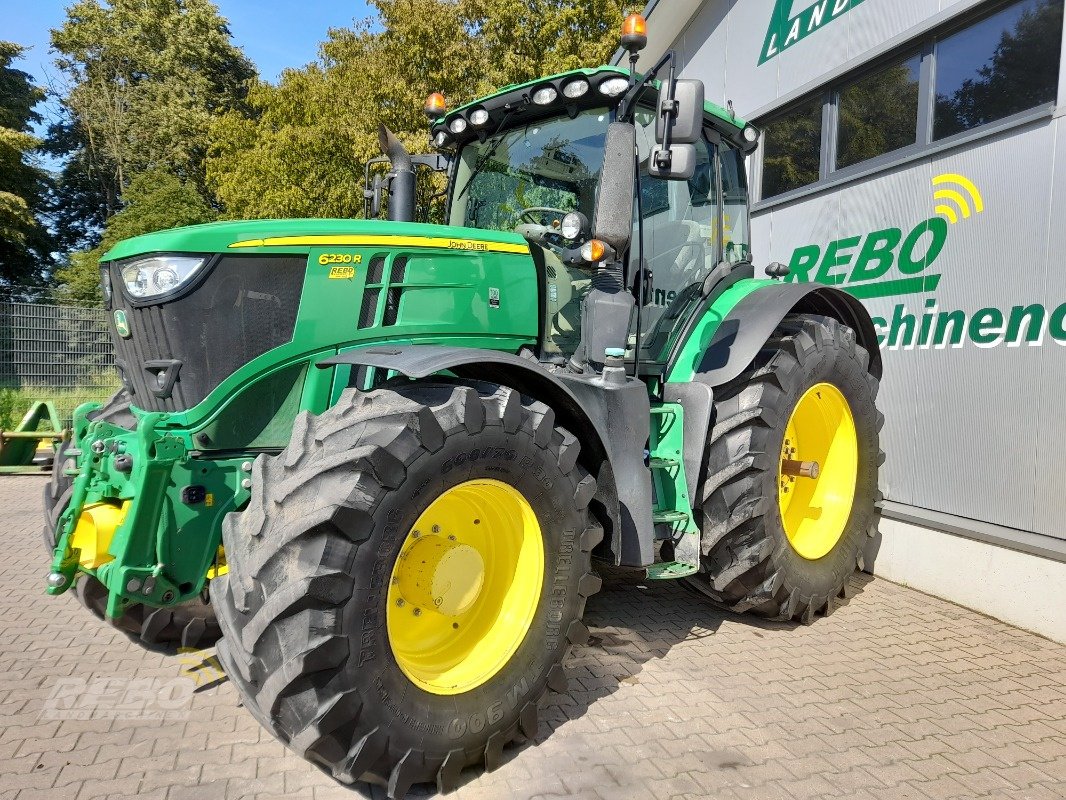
298	235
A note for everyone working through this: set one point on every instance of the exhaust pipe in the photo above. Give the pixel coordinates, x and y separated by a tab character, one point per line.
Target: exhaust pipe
402	180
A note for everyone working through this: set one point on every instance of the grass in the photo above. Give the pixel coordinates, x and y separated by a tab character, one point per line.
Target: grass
14	403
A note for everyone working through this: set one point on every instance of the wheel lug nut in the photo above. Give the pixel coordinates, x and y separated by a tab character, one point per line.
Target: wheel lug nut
399	602
436	528
417	612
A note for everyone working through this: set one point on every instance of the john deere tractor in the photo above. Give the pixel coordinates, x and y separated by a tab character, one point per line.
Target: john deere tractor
391	452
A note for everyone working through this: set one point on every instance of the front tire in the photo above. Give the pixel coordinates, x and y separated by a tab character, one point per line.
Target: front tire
372	505
786	546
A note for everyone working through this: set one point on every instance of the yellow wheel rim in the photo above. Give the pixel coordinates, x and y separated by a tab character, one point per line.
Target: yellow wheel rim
465	586
815	510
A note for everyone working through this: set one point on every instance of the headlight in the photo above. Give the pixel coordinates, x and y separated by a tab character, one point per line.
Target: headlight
156	275
573	225
457	125
479	116
440	139
545	95
576	88
612	87
105	285
750	134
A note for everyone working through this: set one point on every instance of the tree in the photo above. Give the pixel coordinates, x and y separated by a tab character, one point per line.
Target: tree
302	149
24	243
142	82
525	39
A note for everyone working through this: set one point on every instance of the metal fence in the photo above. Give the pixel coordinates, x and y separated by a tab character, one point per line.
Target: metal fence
61	353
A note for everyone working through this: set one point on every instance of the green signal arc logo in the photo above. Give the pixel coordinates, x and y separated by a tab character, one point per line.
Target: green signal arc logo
786	29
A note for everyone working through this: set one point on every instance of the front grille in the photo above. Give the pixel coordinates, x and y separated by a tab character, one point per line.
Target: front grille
245	306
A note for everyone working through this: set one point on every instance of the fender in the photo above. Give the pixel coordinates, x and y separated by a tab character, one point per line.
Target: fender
529	378
751	320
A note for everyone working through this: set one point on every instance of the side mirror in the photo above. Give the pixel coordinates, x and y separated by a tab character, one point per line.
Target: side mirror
613	220
678	127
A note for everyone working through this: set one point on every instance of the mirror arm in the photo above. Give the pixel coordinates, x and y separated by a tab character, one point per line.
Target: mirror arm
668	109
625	107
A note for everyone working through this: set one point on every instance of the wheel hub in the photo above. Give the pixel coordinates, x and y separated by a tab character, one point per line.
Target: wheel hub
441	573
817	471
465	586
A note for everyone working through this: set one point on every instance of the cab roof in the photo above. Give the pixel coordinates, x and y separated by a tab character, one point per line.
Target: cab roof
510	100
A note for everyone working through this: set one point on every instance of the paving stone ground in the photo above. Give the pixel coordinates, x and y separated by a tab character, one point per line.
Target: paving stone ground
897	695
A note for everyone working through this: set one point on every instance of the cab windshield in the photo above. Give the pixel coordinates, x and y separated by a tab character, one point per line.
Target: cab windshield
527	178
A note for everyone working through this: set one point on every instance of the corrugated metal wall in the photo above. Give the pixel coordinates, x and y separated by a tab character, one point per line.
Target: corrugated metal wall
975	431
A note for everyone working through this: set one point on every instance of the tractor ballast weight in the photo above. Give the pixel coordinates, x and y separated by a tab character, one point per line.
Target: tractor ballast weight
392	451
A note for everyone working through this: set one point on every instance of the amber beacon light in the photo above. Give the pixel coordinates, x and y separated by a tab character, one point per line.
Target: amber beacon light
435	105
634	33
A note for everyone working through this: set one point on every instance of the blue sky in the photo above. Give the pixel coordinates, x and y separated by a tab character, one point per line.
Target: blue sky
274	34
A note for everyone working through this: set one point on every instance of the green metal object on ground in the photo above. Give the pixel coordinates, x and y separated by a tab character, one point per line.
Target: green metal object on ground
19	447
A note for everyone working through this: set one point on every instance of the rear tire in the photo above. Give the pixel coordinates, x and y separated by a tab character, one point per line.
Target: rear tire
749	562
191	624
305	606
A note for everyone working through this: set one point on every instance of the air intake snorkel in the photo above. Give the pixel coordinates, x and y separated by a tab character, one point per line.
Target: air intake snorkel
401	179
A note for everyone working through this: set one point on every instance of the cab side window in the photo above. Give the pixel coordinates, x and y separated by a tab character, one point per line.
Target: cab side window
681	224
736	232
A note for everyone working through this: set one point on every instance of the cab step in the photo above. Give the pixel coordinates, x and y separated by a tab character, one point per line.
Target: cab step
671	570
670	516
675	525
664	463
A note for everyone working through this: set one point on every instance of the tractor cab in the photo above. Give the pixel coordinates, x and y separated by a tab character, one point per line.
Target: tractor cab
534	160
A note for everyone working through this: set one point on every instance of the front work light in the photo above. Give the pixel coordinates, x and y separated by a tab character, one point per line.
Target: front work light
576	88
457	125
612	87
479	116
105	285
545	95
573	225
159	275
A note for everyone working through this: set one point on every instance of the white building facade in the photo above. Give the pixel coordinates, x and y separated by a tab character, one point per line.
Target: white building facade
914	153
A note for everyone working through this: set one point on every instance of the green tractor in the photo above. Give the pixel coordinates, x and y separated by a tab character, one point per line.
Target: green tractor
381	458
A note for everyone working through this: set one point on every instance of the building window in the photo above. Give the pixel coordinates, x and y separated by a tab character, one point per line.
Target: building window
1002	65
792	148
878	113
